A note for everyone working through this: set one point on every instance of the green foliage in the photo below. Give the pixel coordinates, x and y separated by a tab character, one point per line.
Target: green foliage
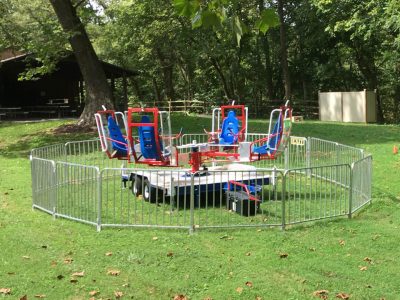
186	8
33	28
213	13
214	50
268	19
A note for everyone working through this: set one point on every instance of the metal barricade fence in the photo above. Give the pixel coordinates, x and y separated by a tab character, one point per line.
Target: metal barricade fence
53	152
317	193
361	183
77	192
314	179
43	184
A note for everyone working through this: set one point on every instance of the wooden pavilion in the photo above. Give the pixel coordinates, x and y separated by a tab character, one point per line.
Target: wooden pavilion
56	94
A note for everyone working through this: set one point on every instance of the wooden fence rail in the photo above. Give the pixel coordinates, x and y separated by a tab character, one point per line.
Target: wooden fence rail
307	109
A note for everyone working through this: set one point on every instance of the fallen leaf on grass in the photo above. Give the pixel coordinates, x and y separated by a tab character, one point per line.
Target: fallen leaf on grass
108	253
79	274
93	293
5	291
312	249
249	283
118	294
24	297
155	238
323	294
53	263
343	296
239	290
113	272
180	297
40	296
283	255
368	260
363	268
258	298
26	257
68	260
342	243
248	253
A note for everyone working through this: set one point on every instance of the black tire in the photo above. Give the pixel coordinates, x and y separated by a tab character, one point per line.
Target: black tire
136	186
149	192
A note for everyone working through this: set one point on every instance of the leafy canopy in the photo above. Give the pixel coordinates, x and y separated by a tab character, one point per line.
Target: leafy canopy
215	13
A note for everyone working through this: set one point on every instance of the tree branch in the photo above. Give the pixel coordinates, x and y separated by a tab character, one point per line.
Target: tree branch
79	4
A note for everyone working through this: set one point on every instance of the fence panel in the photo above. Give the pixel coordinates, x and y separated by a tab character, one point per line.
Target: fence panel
316	193
77	192
215	205
89	153
43	184
145	200
362	182
52	152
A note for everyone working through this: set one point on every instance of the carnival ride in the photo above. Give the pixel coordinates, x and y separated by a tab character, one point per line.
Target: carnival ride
143	136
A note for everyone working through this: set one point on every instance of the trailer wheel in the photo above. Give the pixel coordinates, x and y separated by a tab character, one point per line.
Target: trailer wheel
136	186
149	192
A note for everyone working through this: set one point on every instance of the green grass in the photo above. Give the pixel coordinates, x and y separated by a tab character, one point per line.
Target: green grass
159	264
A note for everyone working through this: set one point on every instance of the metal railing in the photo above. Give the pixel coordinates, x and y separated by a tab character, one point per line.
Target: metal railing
313	180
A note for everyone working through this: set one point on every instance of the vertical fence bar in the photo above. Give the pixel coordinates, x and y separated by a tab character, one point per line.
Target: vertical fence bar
284	200
351	187
99	198
287	157
53	184
191	229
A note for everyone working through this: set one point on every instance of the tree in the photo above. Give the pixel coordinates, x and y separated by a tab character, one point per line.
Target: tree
98	91
283	52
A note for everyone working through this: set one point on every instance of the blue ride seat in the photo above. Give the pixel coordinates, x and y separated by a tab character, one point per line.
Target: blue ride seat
118	142
147	140
229	129
272	142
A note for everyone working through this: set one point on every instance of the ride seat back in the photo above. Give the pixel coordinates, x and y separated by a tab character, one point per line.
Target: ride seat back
147	140
229	129
118	141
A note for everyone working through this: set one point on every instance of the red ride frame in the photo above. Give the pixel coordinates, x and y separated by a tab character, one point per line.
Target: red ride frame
154	124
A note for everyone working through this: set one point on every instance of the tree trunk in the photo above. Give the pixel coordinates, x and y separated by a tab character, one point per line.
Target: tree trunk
98	91
136	88
157	92
367	66
217	67
267	56
284	60
168	72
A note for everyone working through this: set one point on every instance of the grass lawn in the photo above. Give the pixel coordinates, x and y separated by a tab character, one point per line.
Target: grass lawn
39	256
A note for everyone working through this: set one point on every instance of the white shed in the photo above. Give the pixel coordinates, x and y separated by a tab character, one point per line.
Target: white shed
347	106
